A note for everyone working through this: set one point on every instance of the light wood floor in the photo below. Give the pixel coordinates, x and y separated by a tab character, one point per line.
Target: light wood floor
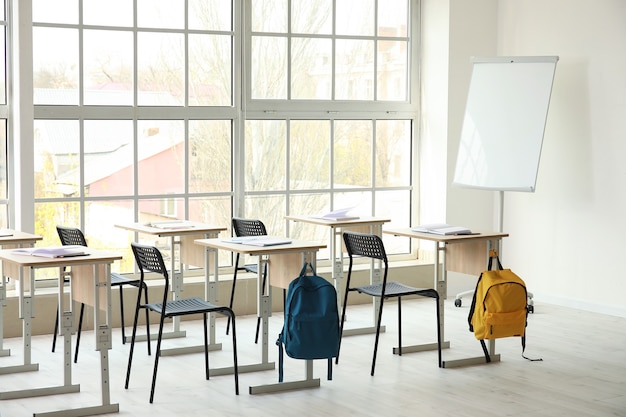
583	372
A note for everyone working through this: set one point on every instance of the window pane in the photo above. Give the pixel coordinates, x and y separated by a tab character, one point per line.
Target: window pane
360	200
161	209
392	71
160	69
311	16
210	148
55	11
210	70
394	205
108	157
108	60
269	16
306	205
161	159
311	68
214	211
164	14
270	210
210	15
309	154
57	158
100	219
265	155
393	14
356	17
108	12
55	65
353	154
269	72
393	153
354	72
47	215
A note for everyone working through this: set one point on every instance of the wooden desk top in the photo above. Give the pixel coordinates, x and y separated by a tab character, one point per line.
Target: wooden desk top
94	257
16	237
186	228
339	223
479	235
294	246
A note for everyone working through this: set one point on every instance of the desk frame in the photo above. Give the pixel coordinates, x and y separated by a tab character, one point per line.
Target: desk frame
15	240
307	251
442	249
99	262
371	225
180	237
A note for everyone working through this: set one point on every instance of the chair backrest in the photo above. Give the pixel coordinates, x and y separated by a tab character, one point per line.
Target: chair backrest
248	227
362	244
71	236
366	245
149	259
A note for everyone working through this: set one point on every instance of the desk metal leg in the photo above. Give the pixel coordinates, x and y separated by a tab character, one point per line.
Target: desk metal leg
3	303
265	309
26	314
477	360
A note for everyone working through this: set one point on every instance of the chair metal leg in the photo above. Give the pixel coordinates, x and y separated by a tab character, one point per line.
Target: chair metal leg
145	296
122	314
232	291
399	326
133	336
78	332
380	316
235	363
56	330
439	341
157	355
206	347
343	319
258	319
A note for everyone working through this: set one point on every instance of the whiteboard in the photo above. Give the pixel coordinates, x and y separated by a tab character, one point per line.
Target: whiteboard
504	122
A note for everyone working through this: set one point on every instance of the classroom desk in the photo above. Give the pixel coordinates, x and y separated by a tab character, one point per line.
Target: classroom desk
90	283
371	225
467	254
12	239
284	264
183	235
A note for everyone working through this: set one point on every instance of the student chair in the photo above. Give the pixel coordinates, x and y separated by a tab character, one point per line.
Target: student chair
74	236
371	246
149	259
247	227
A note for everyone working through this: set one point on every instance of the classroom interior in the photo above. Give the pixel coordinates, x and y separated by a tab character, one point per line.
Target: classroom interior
564	240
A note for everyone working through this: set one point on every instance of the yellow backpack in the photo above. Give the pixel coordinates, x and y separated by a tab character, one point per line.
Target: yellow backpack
499	307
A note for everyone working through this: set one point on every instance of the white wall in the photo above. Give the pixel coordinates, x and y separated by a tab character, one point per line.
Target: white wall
566	239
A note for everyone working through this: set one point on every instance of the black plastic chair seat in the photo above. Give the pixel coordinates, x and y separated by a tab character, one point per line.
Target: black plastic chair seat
185	306
396	289
117	280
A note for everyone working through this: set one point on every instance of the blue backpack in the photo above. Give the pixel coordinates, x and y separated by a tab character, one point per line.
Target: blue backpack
311	328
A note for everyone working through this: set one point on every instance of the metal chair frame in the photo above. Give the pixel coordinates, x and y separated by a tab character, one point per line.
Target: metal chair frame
371	246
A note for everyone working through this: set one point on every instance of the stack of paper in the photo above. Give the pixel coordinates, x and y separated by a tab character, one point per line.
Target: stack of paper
171	225
338	215
53	251
442	229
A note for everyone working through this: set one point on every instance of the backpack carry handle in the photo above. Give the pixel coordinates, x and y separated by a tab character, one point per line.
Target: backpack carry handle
304	267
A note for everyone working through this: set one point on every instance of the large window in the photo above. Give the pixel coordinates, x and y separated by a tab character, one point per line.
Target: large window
159	109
